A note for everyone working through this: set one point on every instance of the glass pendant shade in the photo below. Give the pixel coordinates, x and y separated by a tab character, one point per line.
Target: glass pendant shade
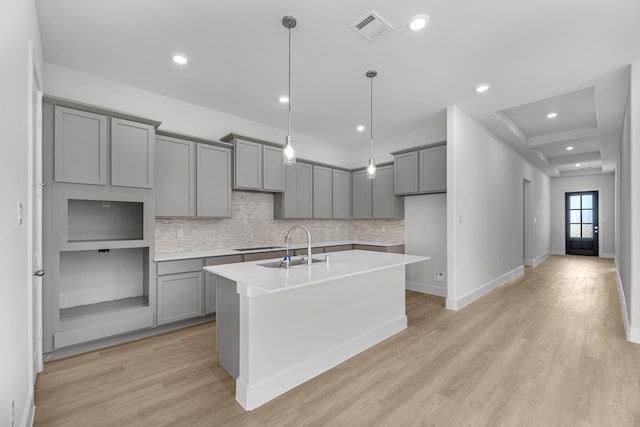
288	151
371	168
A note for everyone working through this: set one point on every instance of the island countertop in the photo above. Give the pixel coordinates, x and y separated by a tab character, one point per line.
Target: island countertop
253	279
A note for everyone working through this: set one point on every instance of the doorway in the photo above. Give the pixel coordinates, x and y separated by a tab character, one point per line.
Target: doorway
581	219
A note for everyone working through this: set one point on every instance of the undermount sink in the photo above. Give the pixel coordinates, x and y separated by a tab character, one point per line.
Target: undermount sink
292	263
261	248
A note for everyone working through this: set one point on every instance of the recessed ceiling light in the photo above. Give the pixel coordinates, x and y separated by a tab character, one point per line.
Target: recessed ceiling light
360	128
569	148
284	99
180	59
578	165
552	115
483	87
418	22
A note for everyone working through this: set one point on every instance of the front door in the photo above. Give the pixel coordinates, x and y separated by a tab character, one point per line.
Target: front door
581	223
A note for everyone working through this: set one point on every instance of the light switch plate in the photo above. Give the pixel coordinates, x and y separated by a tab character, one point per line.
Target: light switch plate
20	213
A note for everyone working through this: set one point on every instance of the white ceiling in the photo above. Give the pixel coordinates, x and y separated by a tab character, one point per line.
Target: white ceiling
569	55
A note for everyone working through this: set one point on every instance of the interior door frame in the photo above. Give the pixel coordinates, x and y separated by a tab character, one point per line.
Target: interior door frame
34	218
596	220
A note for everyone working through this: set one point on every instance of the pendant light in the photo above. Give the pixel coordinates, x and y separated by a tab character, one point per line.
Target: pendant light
371	166
288	151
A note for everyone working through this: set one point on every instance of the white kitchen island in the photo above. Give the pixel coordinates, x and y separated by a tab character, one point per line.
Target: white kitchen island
277	328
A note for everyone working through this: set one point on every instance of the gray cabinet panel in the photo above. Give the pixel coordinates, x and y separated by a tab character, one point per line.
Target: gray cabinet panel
342	188
179	297
433	169
247	165
297	199
175	174
228	326
361	195
179	266
305	190
210	284
322	192
406	173
80	147
386	205
132	154
272	169
213	181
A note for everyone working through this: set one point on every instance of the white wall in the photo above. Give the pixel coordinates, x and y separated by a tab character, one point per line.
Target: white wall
179	116
485	210
425	233
628	204
18	27
604	184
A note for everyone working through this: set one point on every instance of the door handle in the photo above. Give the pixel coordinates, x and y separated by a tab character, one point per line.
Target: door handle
39	273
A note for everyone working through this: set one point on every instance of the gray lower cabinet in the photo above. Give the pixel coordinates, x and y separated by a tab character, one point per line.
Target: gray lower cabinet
132	147
322	192
406	173
211	280
213	181
175	177
361	195
433	169
385	204
296	201
341	195
180	290
80	147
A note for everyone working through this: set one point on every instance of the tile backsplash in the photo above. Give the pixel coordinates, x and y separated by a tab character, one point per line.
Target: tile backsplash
252	224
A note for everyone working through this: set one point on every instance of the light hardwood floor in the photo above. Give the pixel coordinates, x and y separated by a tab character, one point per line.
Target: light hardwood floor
545	349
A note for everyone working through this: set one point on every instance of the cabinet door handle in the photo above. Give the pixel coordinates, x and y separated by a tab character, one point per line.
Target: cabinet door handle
39	273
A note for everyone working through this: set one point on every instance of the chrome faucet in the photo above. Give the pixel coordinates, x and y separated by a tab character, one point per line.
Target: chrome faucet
287	239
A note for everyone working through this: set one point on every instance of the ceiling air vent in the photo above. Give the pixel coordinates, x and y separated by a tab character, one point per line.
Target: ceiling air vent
371	26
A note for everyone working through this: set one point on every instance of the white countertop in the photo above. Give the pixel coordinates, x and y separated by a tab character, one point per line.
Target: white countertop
208	253
254	280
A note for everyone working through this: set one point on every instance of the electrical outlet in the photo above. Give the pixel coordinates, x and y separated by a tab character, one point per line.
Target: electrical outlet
12	413
439	276
180	232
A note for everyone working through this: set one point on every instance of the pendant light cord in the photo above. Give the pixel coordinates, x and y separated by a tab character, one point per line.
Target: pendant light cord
289	90
371	121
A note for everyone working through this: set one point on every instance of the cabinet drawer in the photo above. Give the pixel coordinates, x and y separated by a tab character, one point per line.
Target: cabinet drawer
371	248
263	255
228	259
338	248
298	252
179	266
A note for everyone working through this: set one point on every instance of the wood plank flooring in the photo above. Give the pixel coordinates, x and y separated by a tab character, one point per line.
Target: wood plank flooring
545	349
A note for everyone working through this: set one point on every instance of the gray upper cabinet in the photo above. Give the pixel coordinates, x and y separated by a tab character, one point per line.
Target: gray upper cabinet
272	169
80	147
213	181
361	195
296	201
433	169
385	204
342	188
322	192
132	156
247	165
175	175
406	173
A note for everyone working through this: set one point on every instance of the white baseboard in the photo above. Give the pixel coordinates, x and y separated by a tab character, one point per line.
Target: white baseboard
632	334
254	396
426	288
556	252
537	260
457	304
607	255
28	412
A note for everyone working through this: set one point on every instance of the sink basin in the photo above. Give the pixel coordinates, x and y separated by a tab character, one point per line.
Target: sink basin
295	262
261	248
